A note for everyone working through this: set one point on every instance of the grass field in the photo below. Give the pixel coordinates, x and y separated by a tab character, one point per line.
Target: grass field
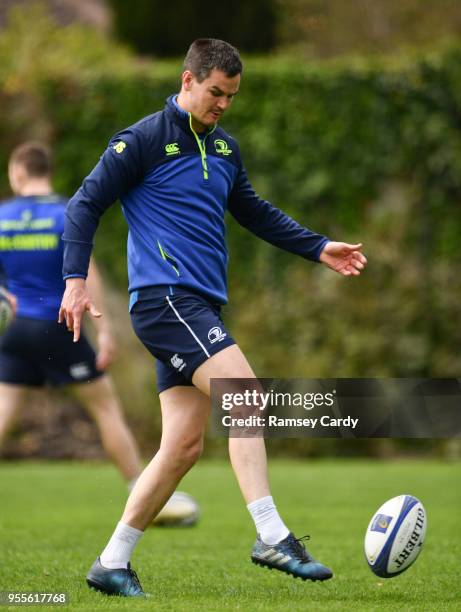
56	517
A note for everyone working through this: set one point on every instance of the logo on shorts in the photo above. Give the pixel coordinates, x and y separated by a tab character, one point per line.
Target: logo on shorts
177	362
216	334
80	371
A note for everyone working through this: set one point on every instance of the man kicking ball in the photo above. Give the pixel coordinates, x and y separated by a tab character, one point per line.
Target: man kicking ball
176	173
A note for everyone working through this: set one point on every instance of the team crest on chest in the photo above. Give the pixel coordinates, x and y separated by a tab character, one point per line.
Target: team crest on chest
222	147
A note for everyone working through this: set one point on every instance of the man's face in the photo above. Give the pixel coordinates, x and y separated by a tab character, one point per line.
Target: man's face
210	99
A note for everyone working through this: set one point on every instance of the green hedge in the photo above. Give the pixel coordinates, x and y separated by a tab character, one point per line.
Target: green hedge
358	150
365	152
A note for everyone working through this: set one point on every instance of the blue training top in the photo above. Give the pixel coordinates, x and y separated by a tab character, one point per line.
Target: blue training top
31	252
175	187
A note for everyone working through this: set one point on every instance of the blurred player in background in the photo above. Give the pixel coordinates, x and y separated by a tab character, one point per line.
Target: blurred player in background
35	350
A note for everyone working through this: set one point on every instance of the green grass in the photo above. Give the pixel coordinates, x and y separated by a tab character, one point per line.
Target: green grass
56	517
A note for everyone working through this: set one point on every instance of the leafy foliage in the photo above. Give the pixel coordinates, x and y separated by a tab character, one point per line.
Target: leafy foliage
326	28
163	29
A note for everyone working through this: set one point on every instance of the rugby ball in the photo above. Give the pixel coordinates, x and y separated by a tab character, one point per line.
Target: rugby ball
6	313
181	510
395	536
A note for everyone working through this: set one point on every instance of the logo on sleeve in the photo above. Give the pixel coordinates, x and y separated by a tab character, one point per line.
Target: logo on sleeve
119	147
222	147
172	148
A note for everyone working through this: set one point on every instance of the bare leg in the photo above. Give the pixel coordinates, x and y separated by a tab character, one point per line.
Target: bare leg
11	401
247	455
101	401
184	414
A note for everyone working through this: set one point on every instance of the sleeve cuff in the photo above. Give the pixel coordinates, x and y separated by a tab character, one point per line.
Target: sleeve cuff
320	248
76	259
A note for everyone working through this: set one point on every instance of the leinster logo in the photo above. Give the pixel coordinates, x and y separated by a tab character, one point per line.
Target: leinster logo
381	523
222	147
216	334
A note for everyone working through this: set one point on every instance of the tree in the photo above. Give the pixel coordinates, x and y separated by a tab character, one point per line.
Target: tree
167	29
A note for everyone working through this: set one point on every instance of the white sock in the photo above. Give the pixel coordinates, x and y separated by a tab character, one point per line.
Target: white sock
120	547
269	525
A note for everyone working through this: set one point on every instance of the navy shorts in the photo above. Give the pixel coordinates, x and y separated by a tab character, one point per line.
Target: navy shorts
181	329
35	352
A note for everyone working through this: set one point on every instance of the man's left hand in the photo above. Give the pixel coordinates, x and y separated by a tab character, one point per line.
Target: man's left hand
346	259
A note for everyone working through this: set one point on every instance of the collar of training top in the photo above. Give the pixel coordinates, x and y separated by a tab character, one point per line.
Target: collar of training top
179	115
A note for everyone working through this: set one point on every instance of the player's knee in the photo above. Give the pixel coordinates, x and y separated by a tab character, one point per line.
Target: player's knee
195	451
190	452
104	408
186	453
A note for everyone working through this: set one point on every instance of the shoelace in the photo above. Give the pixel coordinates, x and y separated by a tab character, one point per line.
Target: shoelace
300	551
134	575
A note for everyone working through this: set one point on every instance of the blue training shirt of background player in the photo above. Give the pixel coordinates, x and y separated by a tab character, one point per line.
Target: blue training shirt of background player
175	186
31	253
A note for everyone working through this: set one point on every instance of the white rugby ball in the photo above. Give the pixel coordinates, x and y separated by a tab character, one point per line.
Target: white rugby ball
395	536
181	510
6	313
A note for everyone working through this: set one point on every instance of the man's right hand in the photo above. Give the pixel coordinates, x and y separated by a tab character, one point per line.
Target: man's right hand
75	302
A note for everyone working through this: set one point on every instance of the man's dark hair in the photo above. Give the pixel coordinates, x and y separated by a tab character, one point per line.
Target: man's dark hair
205	54
35	157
